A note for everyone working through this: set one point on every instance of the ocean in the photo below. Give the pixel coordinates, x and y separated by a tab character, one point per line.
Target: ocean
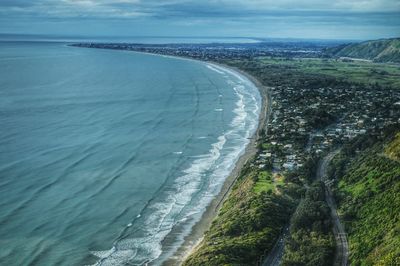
103	153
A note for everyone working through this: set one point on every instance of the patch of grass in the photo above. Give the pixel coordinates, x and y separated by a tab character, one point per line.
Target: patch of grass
355	190
393	149
266	146
264	182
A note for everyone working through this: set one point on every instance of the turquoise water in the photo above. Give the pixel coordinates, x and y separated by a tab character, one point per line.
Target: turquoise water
103	153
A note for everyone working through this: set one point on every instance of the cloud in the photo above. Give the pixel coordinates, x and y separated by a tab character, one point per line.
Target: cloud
99	2
69	9
332	5
214	16
191	8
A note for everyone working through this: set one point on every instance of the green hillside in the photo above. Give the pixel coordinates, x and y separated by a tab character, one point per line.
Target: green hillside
248	224
311	241
385	50
369	198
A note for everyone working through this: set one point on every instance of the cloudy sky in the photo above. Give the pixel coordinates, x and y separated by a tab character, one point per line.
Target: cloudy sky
322	19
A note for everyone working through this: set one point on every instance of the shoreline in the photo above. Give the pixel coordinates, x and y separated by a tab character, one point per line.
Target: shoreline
193	240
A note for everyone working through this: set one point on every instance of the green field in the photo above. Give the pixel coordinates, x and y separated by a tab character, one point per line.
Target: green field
266	182
356	71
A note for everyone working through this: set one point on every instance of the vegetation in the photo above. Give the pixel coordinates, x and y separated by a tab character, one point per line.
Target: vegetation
393	150
368	195
385	50
321	82
319	118
248	224
261	203
311	241
317	72
263	182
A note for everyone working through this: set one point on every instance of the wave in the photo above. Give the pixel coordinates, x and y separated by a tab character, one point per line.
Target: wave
212	67
186	198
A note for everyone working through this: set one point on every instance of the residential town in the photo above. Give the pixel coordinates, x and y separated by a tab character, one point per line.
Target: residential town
293	137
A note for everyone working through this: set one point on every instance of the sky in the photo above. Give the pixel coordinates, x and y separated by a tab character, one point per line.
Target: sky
316	19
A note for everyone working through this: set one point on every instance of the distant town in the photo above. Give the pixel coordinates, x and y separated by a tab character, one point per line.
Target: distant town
222	51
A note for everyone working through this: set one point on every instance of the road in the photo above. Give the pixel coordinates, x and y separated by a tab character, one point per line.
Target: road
342	248
275	256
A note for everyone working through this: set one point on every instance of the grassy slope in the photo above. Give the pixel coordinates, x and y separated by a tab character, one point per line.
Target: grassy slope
369	200
248	224
385	50
393	149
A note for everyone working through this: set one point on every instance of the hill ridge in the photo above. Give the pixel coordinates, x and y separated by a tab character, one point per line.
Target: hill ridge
381	50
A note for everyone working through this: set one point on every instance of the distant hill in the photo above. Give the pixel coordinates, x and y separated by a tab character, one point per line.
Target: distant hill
384	50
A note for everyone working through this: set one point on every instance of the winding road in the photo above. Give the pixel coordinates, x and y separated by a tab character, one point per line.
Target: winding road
342	247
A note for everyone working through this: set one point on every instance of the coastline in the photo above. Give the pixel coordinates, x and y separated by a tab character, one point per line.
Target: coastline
193	240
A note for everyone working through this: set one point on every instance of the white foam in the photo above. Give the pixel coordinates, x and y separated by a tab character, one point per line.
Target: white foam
199	183
214	68
223	70
103	254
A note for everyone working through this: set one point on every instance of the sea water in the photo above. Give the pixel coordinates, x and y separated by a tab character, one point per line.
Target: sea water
103	153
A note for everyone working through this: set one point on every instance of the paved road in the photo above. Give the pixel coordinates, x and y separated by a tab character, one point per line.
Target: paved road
342	248
275	256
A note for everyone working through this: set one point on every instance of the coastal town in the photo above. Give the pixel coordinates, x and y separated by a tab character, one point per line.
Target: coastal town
294	136
222	51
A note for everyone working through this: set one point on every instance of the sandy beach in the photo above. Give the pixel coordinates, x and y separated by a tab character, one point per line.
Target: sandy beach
193	240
